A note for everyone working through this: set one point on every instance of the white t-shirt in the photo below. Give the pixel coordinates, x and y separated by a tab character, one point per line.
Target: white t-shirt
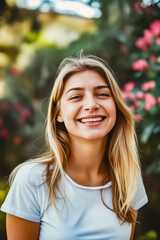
83	218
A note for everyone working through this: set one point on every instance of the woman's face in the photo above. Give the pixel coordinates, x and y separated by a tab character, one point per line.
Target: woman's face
87	107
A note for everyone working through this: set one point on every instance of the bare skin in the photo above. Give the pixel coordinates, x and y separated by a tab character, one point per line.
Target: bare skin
18	228
91	172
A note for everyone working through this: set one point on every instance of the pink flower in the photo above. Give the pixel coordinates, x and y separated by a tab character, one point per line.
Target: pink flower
4	133
22	118
1	121
16	140
132	96
15	71
124	94
138	118
140	95
148	85
141	43
129	86
158	99
132	107
27	113
150	101
137	6
137	103
152	58
148	36
5	106
158	41
18	107
155	27
140	65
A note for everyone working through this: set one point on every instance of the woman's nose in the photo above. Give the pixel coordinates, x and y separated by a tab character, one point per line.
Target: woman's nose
91	105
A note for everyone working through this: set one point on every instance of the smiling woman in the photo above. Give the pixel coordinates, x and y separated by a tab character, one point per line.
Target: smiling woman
87	184
87	107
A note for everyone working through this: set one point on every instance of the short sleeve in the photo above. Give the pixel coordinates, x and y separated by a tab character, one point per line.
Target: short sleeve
140	198
22	199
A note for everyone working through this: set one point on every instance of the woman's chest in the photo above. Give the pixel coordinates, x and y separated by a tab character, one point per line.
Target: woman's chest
83	217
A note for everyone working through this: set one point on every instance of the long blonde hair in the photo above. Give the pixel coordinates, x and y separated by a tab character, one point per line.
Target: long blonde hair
121	150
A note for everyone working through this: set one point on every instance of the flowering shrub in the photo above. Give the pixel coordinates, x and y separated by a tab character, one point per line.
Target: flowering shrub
13	118
149	36
143	95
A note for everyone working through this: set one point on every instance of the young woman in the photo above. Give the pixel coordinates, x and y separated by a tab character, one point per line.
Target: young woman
87	185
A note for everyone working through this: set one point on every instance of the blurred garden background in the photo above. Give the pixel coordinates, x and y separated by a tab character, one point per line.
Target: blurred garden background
36	35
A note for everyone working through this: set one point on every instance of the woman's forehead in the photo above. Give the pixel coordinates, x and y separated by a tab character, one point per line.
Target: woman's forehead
84	79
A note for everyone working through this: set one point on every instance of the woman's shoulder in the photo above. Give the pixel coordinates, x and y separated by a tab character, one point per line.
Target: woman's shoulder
32	172
27	191
33	167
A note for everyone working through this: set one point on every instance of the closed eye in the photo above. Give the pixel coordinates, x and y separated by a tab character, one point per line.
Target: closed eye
103	94
75	97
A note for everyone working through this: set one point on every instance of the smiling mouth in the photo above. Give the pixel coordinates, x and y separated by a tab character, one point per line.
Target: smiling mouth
86	120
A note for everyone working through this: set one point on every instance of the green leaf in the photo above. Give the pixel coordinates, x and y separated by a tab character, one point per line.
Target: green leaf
138	74
154	167
156	130
152	74
147	131
153	110
151	235
158	59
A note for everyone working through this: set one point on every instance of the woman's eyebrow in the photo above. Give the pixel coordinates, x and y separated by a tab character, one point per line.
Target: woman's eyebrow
101	86
80	88
76	88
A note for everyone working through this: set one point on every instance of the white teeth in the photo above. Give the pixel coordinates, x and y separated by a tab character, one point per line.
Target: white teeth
91	119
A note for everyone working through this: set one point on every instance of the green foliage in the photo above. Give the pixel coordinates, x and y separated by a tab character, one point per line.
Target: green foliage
151	235
3	193
42	69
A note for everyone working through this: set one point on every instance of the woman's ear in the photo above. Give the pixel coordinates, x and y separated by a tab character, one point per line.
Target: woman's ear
59	118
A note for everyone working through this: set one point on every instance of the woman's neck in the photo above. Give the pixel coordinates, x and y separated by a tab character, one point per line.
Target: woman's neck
87	159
